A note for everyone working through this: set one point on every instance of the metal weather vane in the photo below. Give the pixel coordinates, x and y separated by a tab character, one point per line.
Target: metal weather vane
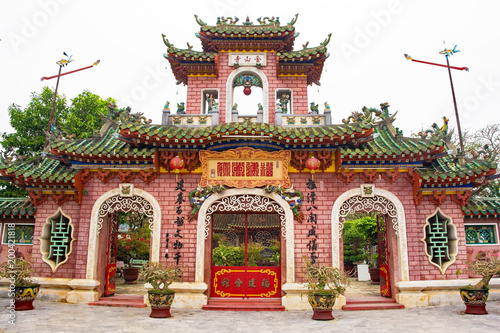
447	53
62	63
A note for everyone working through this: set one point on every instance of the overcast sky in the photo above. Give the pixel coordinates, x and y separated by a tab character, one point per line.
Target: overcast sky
366	65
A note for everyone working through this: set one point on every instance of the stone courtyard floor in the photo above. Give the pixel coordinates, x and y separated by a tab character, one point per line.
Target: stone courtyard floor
50	317
75	318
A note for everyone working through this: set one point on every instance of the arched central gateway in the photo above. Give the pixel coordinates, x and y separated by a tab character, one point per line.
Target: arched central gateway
243	248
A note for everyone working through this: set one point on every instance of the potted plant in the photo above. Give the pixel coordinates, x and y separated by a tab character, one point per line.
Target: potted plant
485	265
23	288
161	277
324	284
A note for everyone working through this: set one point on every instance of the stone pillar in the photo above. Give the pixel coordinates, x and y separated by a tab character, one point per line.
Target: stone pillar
328	117
260	116
189	295
165	115
215	117
84	291
234	116
278	116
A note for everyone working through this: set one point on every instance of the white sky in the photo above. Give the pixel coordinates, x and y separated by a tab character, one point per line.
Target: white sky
366	65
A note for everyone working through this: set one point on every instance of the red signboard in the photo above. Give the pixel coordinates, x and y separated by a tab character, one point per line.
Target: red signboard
232	281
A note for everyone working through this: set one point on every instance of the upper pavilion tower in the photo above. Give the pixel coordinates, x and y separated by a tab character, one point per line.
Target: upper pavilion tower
248	55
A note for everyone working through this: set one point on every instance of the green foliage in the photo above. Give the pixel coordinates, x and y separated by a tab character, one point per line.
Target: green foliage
225	255
135	242
18	269
86	114
31	122
360	236
8	190
161	276
81	118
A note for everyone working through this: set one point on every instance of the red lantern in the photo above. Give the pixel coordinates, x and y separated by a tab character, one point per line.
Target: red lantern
176	164
312	164
247	91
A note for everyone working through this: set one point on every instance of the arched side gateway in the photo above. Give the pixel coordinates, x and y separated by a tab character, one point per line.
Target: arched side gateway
111	202
246	200
382	201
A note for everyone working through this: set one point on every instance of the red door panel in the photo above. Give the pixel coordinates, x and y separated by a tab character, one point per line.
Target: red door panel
110	287
246	256
383	257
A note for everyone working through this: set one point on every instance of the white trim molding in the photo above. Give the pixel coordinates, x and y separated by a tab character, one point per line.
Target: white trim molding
391	206
230	91
202	227
96	225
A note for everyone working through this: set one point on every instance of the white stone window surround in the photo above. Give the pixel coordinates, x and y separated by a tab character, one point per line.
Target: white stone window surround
495	225
452	240
204	91
230	91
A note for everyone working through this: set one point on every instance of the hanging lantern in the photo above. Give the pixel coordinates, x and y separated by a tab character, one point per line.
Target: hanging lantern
312	163
248	86
176	164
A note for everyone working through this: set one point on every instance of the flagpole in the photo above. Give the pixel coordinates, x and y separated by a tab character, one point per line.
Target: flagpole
456	109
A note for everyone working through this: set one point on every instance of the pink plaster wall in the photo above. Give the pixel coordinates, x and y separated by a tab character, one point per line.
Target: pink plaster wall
329	188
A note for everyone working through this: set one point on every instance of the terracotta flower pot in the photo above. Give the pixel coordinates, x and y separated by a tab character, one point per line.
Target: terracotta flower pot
160	304
322	306
474	300
24	297
130	275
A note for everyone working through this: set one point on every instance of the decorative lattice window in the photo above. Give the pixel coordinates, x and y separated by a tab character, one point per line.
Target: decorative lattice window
440	239
57	239
481	234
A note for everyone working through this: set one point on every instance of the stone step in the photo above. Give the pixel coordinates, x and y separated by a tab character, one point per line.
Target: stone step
132	301
227	304
370	303
369	299
372	306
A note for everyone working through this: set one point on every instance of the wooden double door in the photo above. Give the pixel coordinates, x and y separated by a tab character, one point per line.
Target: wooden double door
246	255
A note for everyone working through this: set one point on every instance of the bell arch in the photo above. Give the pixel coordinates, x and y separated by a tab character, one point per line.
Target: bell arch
382	201
256	200
230	91
110	202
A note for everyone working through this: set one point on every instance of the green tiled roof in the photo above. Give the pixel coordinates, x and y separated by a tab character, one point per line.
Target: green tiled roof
306	54
42	170
482	207
386	144
197	135
107	146
188	55
16	207
447	167
229	28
